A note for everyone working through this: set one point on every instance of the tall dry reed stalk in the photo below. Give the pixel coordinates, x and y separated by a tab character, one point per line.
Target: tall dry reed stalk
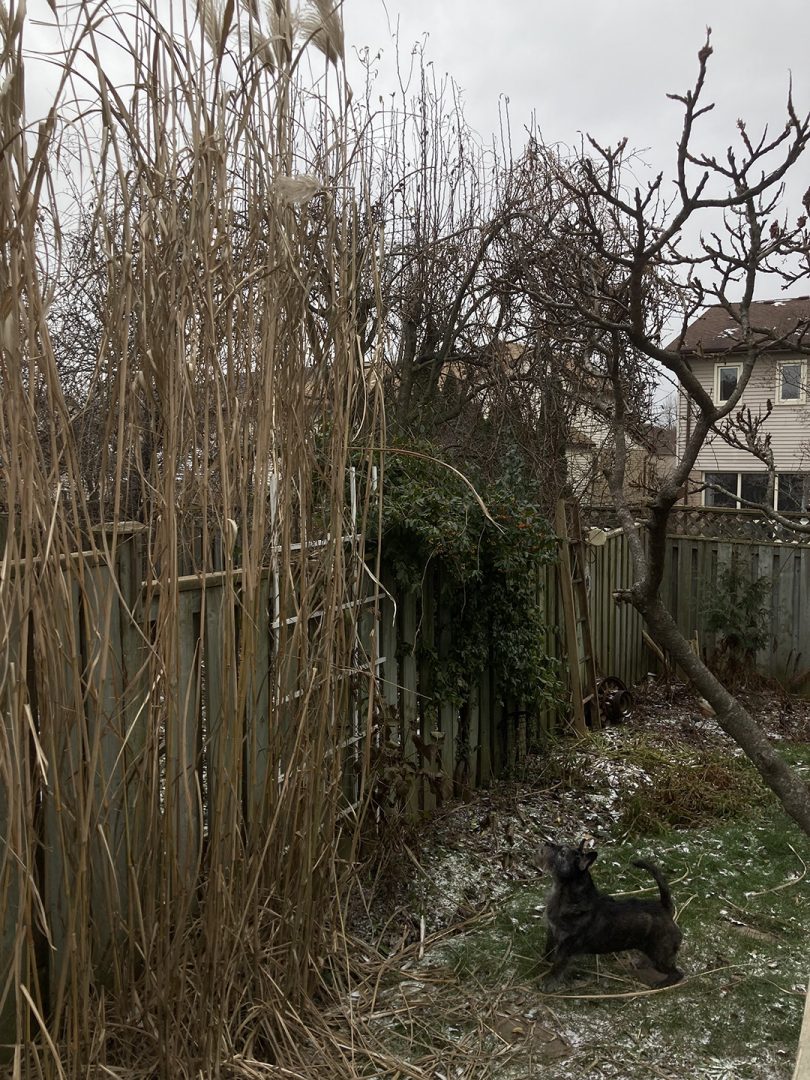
180	572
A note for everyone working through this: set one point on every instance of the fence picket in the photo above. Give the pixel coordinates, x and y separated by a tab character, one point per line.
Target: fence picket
183	746
258	707
485	728
409	711
60	722
432	761
448	715
106	737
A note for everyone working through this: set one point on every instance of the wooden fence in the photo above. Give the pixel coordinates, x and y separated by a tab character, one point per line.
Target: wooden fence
692	566
107	761
616	628
454	747
424	750
447	748
436	750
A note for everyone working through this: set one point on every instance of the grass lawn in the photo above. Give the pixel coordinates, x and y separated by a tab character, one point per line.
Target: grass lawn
474	1001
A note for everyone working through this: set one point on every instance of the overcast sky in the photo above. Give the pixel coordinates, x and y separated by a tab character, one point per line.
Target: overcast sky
603	66
598	66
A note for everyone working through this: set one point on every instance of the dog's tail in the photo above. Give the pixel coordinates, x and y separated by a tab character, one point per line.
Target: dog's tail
661	882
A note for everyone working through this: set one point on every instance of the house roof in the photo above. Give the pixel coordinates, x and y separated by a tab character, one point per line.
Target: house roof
786	322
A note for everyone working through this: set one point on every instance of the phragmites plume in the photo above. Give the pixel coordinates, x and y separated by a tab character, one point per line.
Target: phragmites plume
318	23
321	24
212	17
282	23
297	189
10	28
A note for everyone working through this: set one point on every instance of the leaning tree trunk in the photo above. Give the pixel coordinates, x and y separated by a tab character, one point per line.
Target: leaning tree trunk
788	787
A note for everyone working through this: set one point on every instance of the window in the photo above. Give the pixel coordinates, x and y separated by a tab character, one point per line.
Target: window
725	381
791	492
754	487
789	386
724	480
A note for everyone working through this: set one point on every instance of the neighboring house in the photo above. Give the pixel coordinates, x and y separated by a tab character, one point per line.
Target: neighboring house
779	377
650	456
650	448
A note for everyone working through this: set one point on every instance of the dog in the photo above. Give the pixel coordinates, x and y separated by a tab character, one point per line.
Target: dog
581	919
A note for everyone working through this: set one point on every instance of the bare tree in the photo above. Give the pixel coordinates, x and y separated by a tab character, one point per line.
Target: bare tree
465	358
633	269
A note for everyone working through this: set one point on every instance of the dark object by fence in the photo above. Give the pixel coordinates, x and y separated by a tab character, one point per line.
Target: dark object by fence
615	700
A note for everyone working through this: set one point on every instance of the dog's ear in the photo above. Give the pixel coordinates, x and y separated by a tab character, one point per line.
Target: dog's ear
586	859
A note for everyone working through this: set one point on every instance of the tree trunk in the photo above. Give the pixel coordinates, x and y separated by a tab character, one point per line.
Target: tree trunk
788	787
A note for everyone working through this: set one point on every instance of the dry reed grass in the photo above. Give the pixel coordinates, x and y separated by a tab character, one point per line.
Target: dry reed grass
173	782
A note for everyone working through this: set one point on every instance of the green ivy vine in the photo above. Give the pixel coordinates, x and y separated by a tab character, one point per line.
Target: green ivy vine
486	573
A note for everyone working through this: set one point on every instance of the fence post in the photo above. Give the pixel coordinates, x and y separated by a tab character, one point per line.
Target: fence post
13	946
448	717
410	715
106	725
61	720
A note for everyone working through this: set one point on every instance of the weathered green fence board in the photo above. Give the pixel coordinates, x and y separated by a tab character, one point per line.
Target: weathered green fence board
409	709
106	725
430	761
448	716
13	955
183	795
484	708
388	651
472	777
60	720
787	580
256	629
693	570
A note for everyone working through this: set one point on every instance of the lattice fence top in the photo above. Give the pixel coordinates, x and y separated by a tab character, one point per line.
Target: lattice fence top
713	523
731	524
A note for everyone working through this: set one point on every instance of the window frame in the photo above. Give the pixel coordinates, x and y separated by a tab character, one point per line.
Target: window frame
760	475
777	495
737	489
707	492
802	398
717	368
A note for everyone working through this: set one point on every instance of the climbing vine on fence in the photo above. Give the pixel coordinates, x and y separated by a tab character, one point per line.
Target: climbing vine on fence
487	573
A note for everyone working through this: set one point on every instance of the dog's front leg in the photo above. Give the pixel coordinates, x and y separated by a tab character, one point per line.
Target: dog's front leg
559	957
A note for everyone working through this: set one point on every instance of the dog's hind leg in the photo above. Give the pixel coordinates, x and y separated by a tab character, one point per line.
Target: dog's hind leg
664	961
672	977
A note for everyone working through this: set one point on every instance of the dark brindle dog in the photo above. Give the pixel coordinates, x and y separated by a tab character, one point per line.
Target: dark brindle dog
581	919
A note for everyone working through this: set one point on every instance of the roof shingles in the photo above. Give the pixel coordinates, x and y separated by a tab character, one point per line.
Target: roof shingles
786	322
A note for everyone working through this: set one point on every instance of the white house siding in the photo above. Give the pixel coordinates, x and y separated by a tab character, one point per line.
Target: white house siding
789	425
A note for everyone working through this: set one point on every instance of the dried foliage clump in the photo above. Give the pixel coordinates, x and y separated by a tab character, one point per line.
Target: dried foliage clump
180	390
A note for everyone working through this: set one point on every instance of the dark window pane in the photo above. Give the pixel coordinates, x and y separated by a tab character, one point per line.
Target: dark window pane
727	480
726	381
754	487
790	382
791	492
